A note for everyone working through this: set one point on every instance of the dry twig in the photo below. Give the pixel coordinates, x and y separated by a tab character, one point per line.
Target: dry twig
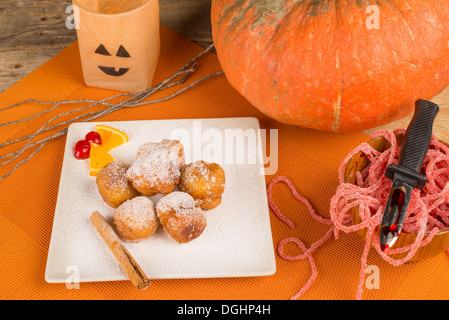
131	100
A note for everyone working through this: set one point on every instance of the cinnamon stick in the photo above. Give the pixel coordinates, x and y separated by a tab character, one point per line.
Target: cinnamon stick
124	258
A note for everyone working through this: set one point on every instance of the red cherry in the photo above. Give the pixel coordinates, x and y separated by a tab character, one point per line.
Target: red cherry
93	137
82	149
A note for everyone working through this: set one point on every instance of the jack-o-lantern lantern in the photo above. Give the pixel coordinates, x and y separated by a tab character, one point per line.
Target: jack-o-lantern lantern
119	43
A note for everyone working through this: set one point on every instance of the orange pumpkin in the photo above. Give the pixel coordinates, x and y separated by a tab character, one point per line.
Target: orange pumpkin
321	64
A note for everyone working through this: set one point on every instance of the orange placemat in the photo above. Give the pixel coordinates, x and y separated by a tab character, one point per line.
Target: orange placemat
309	158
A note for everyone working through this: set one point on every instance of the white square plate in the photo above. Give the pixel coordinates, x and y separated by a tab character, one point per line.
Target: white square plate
237	241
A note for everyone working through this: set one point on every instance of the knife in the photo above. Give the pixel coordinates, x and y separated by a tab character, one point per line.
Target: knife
405	174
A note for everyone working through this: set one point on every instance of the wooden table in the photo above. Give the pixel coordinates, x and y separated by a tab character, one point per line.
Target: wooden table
33	31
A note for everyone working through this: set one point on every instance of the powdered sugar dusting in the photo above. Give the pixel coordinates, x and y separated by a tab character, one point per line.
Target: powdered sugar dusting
181	202
182	219
197	172
113	175
152	169
199	178
137	213
200	167
173	148
156	166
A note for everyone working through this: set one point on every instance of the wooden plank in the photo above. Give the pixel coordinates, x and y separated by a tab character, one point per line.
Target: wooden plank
441	125
33	31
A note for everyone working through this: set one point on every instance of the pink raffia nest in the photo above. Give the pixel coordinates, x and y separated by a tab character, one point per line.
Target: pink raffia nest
360	199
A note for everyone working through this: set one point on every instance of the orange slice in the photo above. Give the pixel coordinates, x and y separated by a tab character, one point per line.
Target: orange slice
99	157
110	137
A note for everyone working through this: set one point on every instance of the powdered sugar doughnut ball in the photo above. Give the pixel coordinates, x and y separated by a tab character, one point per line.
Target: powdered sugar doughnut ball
174	149
113	184
181	217
205	182
157	167
136	219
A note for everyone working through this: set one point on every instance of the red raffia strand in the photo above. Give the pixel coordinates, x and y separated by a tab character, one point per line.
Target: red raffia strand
307	253
427	214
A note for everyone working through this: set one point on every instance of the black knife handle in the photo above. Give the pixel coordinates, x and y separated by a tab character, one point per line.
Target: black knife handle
418	135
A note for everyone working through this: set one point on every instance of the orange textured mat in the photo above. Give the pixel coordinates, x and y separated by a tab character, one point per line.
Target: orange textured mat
310	159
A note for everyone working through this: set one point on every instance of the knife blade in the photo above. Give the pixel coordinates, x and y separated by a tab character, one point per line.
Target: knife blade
405	175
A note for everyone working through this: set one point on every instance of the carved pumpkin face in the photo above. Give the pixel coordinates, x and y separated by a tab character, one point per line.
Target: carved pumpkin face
111	71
